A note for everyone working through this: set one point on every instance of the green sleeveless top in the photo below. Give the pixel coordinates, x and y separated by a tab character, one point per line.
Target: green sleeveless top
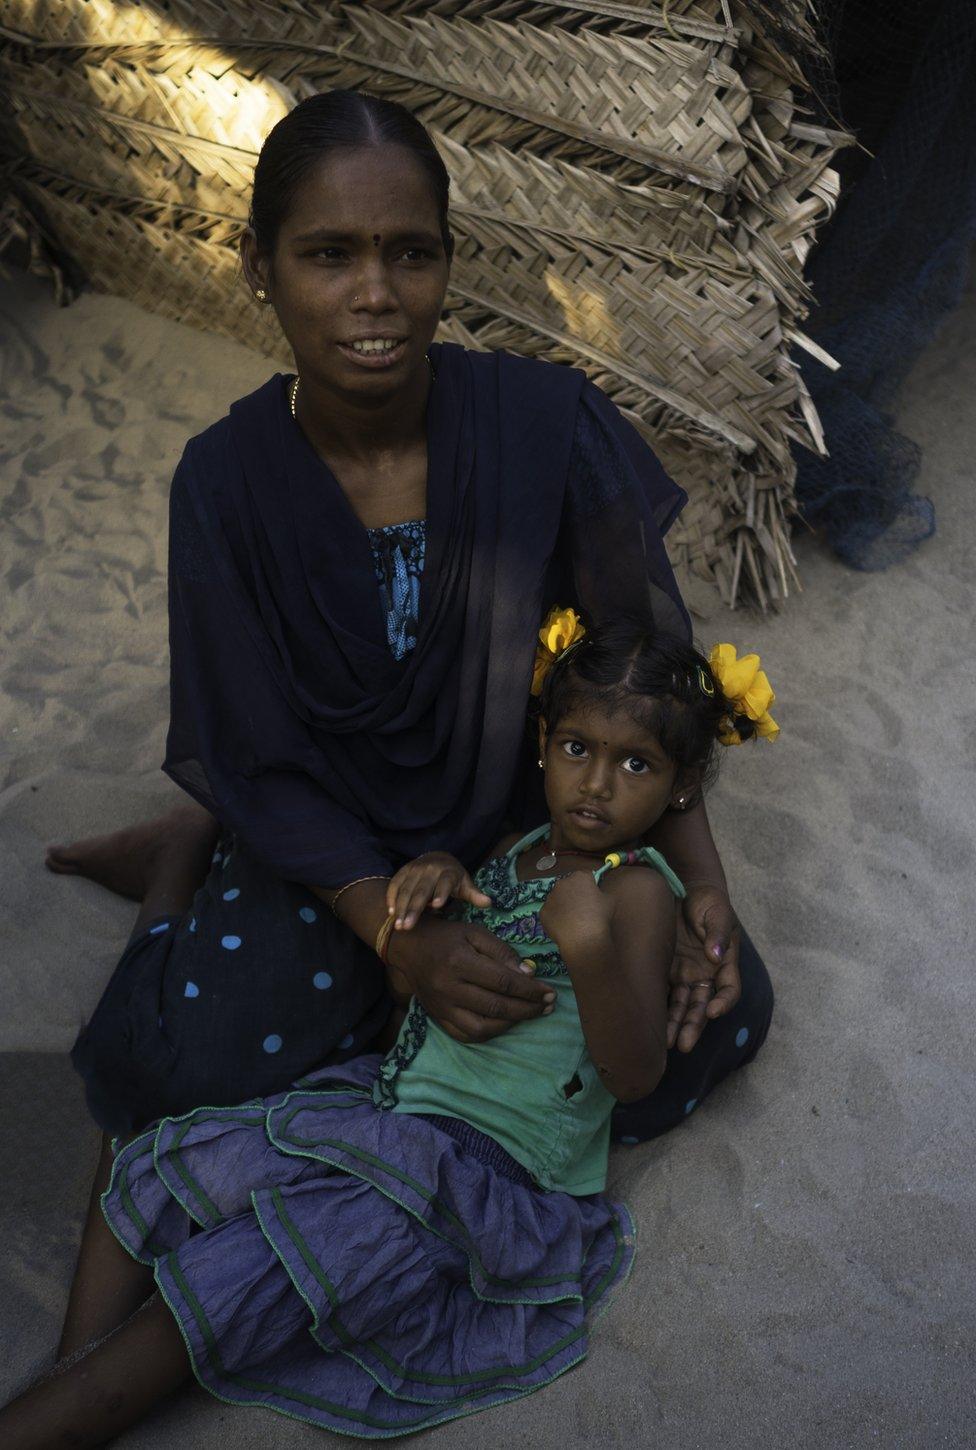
533	1089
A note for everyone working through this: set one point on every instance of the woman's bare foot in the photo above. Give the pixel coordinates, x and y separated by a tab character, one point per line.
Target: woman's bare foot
130	861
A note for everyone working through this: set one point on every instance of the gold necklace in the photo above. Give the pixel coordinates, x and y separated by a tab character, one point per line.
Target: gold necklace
294	386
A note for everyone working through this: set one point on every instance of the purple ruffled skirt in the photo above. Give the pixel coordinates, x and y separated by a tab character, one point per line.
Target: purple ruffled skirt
363	1270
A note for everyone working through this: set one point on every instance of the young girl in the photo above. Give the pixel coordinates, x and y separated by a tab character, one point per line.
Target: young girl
399	1242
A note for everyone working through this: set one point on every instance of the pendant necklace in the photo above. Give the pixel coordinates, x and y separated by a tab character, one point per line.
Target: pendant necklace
546	862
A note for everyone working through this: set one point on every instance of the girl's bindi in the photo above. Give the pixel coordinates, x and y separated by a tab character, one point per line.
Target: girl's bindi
376	239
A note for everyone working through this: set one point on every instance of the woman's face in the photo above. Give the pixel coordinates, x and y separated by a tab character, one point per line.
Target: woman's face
359	271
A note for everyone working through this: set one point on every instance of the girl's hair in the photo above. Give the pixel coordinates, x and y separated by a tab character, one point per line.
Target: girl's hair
663	683
323	124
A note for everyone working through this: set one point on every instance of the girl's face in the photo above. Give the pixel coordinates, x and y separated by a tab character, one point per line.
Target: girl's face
359	258
607	779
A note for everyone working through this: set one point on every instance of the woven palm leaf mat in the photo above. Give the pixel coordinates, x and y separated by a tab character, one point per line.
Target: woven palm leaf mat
635	191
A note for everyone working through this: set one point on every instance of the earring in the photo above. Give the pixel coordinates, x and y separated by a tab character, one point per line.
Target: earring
542	763
261	295
681	802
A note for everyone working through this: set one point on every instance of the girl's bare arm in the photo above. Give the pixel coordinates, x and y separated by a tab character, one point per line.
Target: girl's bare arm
617	941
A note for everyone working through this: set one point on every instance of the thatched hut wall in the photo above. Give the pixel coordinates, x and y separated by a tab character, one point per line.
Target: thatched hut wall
636	189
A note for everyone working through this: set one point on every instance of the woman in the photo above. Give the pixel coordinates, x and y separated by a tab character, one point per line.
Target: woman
361	556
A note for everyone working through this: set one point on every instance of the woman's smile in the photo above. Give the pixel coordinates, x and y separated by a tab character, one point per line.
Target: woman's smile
375	352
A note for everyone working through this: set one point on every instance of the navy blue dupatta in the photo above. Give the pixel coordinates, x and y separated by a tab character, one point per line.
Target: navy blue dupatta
290	718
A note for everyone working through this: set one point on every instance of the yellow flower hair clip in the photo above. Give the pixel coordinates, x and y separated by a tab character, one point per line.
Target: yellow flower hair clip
747	690
560	632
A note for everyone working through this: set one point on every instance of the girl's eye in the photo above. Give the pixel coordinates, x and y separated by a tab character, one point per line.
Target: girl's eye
330	254
575	748
416	254
635	766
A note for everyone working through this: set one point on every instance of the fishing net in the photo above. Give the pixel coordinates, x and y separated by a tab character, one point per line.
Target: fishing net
891	263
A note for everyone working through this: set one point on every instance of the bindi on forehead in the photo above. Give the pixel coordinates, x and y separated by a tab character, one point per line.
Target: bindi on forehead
376	239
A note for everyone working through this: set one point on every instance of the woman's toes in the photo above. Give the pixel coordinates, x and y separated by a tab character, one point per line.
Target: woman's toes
61	860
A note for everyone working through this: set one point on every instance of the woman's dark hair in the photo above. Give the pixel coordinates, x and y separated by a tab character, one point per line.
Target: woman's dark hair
322	124
662	682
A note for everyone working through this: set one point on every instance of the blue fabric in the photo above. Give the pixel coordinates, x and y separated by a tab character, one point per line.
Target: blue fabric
363	1271
290	717
258	983
250	990
483	1148
398	560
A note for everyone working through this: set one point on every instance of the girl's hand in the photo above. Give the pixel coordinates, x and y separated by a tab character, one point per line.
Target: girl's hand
473	985
705	981
430	880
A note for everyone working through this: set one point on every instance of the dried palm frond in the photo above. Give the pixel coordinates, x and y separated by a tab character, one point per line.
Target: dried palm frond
635	190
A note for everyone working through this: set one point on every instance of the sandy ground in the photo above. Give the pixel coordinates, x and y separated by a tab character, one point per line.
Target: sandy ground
805	1275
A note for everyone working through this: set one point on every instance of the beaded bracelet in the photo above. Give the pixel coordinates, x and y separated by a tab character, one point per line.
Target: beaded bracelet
348	887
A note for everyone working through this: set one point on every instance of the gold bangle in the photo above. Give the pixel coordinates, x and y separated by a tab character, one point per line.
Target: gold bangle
348	887
382	945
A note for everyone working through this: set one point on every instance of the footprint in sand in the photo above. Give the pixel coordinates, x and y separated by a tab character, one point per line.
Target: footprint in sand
106	411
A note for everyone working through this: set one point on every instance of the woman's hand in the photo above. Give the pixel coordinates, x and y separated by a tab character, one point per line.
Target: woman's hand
473	985
431	880
706	961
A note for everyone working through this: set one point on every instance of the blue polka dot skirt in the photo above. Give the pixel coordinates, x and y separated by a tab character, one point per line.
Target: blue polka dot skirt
256	986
